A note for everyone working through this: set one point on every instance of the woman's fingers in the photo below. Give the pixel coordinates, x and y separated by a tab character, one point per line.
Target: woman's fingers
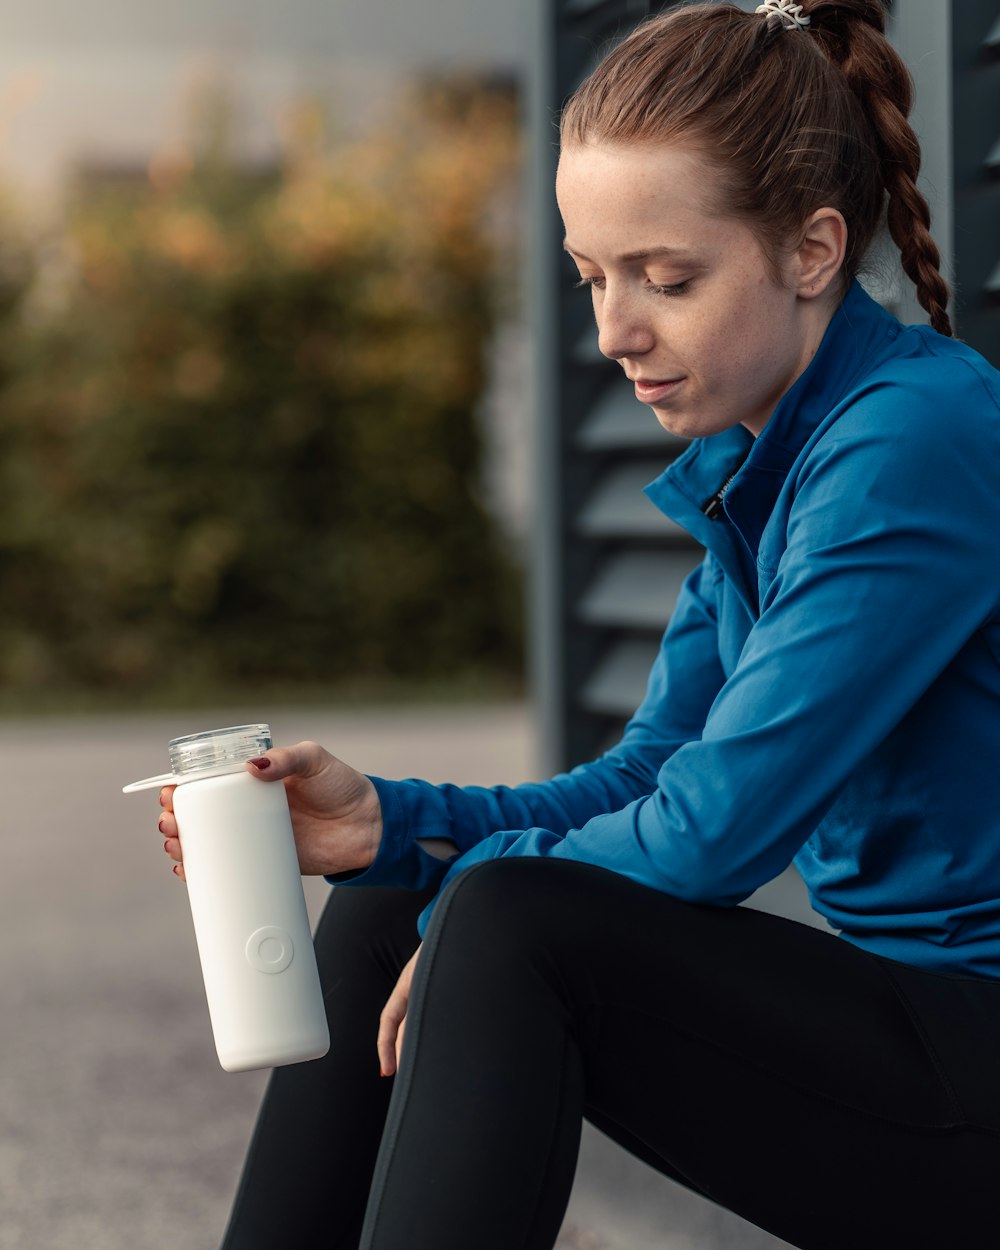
167	825
392	1020
399	1042
305	759
328	798
390	1030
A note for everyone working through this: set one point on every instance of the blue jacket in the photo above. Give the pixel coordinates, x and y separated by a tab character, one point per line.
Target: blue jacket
828	689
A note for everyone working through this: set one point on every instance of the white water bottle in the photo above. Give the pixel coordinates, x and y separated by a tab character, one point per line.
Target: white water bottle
249	911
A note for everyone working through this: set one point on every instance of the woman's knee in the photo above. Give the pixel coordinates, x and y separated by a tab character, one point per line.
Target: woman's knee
509	905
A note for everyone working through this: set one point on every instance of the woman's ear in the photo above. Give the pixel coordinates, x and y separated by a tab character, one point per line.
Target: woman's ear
820	254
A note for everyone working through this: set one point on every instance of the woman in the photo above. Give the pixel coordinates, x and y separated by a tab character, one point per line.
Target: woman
828	691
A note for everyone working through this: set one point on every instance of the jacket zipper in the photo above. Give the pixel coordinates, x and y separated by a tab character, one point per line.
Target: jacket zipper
712	507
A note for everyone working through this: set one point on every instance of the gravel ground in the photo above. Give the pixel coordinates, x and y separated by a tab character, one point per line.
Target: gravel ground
119	1129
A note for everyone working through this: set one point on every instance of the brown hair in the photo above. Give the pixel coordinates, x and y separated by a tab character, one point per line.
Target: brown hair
796	120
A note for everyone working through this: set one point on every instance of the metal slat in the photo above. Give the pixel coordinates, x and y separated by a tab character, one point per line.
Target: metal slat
619	421
617	685
637	589
575	10
975	90
617	508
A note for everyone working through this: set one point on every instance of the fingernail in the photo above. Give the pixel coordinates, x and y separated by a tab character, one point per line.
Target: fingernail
159	824
176	869
261	763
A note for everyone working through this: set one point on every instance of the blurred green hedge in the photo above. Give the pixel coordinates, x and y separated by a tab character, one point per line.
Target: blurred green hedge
237	417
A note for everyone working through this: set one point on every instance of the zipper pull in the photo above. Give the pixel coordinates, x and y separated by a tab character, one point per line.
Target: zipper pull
712	507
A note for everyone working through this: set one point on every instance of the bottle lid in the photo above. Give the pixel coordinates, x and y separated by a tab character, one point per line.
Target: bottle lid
208	754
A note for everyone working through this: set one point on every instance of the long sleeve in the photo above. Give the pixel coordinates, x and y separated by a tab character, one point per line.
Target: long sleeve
684	681
888	568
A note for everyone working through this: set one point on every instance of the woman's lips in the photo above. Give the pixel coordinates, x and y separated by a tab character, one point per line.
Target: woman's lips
650	391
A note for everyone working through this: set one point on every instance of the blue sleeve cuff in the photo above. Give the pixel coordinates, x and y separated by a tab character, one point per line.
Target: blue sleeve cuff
400	860
490	848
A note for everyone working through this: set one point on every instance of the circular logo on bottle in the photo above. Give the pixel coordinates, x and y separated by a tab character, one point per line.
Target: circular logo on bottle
269	949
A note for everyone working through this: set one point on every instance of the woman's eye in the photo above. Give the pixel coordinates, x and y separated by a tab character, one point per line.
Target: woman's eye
678	288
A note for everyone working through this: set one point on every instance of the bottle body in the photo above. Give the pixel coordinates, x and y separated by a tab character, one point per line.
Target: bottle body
250	921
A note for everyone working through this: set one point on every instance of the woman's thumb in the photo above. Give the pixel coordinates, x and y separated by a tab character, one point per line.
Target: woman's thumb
279	762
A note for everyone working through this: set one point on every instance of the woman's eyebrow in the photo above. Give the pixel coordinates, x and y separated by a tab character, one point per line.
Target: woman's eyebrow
646	253
656	253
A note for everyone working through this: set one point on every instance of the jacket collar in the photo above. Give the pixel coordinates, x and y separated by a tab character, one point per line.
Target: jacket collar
857	333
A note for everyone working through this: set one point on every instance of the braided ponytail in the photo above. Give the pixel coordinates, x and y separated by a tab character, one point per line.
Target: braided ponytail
852	34
795	121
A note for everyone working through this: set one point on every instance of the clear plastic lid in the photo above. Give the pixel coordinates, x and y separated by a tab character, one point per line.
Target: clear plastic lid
209	754
217	748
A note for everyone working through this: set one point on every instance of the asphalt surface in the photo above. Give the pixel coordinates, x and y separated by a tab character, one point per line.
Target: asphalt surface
119	1129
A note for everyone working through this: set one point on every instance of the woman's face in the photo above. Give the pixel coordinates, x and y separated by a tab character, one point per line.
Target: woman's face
685	299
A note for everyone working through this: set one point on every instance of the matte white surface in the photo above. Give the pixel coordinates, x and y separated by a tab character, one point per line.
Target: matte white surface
245	891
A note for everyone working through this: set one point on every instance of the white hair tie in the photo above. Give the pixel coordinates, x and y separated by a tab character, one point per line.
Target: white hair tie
790	14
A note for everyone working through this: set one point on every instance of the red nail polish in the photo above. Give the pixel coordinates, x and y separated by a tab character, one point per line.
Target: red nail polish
261	763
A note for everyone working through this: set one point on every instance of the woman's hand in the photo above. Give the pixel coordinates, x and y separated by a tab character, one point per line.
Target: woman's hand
336	814
392	1022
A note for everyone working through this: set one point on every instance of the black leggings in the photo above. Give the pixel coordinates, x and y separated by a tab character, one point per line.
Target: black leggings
831	1097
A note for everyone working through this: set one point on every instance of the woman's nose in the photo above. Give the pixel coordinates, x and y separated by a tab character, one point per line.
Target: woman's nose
622	329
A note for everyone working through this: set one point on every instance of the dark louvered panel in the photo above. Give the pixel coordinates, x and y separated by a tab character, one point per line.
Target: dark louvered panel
611	564
635	589
611	11
615	685
617	508
617	421
975	41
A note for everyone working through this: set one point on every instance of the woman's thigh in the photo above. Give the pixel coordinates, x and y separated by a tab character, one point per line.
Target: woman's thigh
772	1066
